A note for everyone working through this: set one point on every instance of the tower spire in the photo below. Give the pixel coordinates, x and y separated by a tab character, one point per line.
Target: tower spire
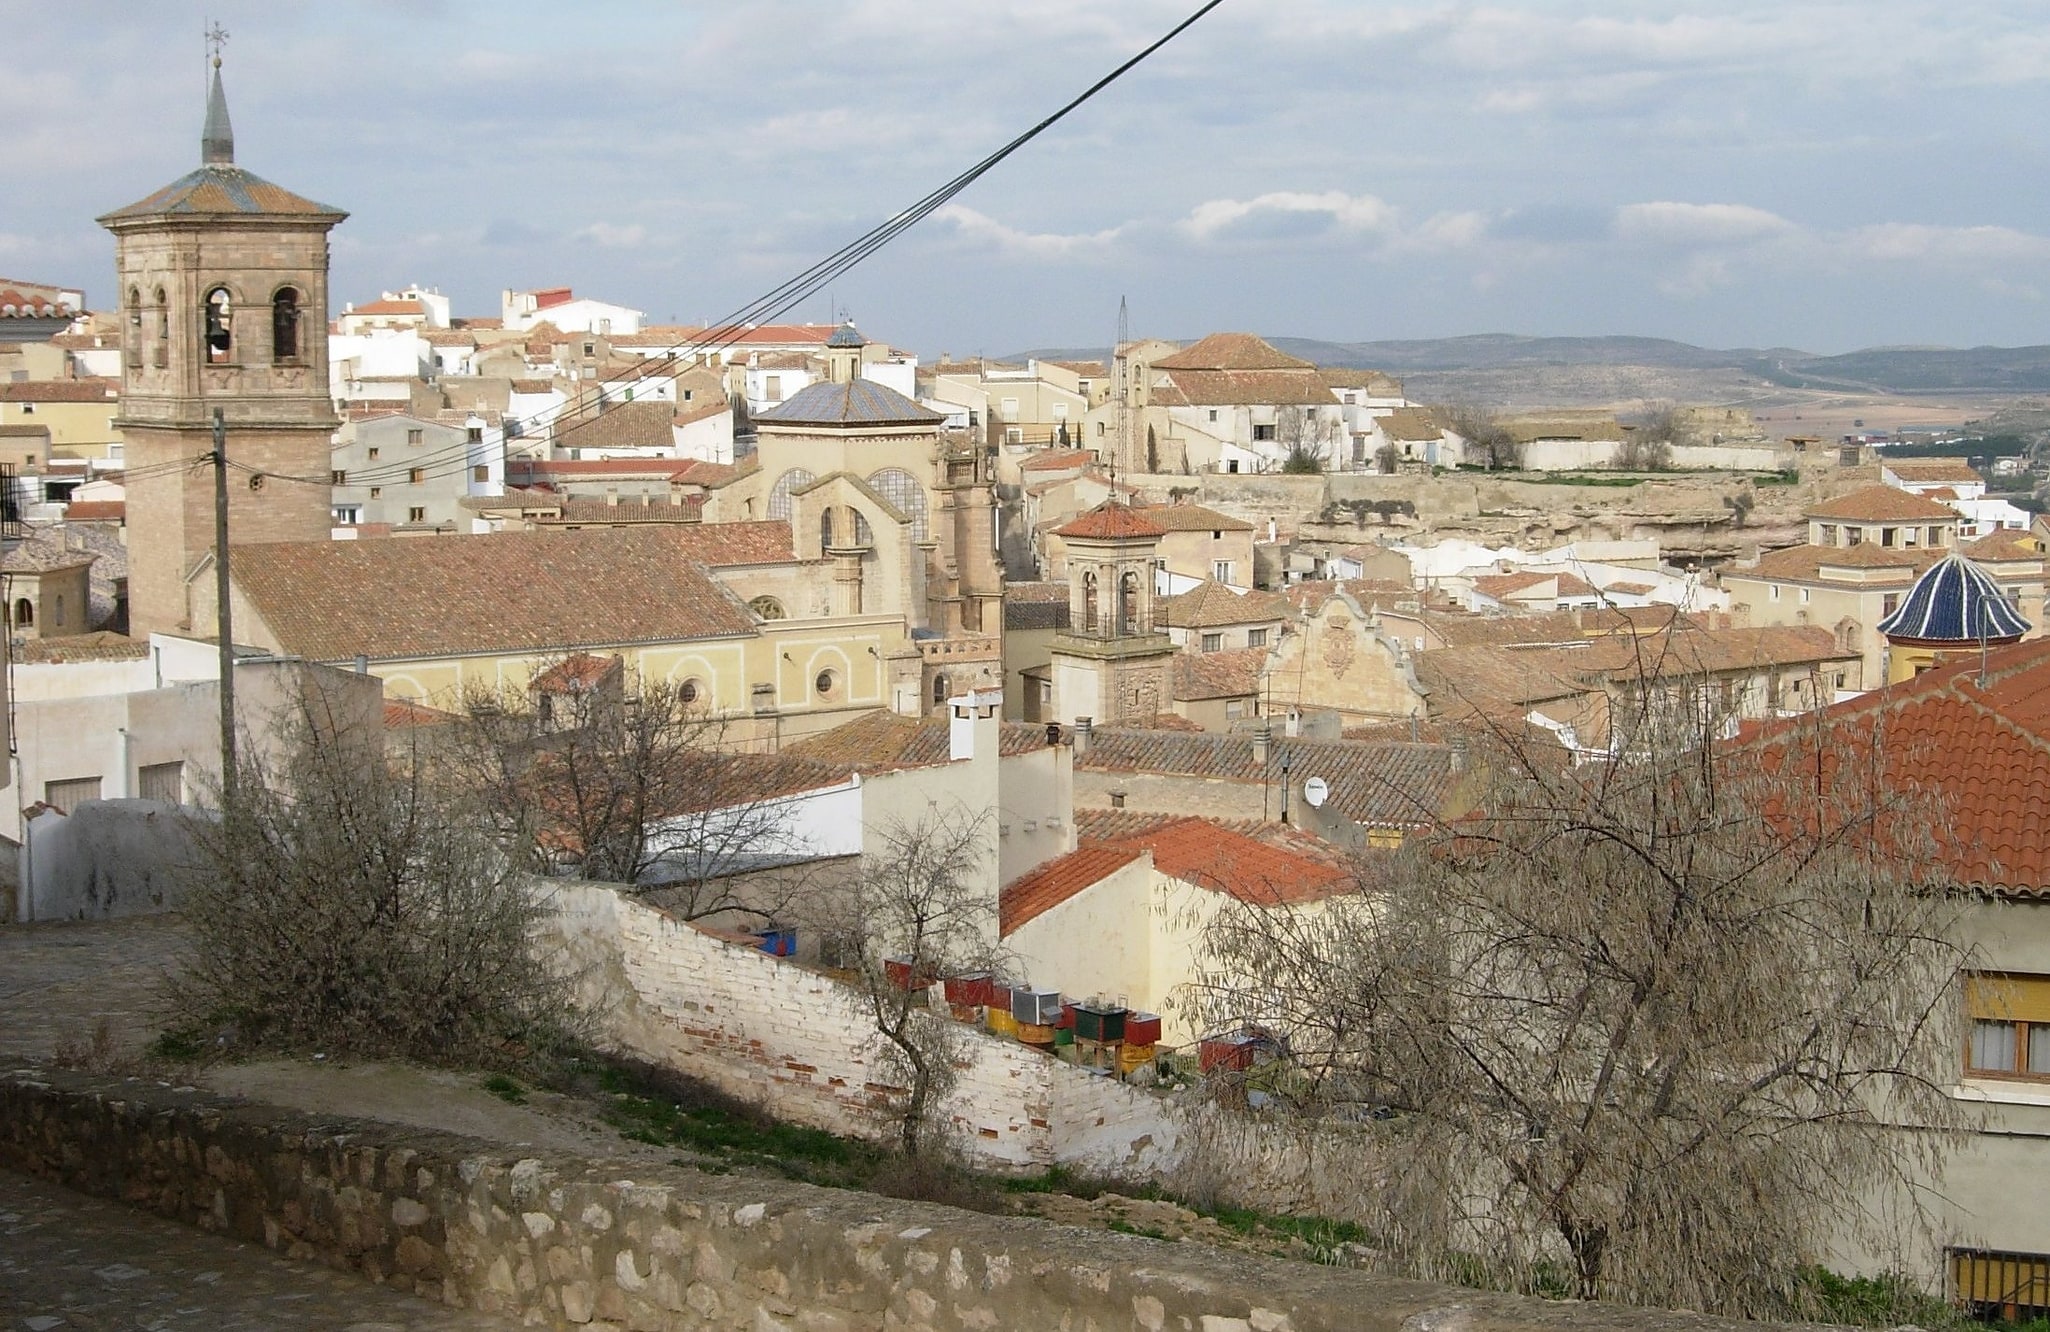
217	140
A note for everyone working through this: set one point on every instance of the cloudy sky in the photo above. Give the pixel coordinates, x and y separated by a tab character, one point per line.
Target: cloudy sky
1824	176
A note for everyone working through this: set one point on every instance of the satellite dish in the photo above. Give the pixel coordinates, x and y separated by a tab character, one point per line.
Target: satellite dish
1316	791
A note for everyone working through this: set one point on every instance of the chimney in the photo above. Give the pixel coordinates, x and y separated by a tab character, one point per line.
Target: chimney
1459	753
1263	742
970	712
1272	533
1085	730
612	497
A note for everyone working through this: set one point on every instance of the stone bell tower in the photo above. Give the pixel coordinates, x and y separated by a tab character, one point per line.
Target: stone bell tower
222	279
1111	664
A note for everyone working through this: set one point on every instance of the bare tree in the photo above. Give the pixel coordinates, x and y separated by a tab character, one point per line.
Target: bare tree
920	910
1636	1029
630	781
340	904
1305	440
1488	439
1648	447
1386	459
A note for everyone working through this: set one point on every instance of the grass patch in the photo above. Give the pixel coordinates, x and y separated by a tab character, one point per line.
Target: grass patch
1889	1300
1124	1227
177	1047
505	1089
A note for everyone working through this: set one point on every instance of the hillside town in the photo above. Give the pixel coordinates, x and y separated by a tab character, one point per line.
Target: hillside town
1188	635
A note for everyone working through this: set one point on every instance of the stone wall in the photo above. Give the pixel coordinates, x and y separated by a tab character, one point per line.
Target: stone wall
564	1242
105	860
802	1045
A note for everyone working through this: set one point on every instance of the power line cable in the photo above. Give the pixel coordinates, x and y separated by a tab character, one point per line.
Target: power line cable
794	291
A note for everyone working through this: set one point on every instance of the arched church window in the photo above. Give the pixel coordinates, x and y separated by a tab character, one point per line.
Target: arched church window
24	614
906	496
779	495
284	326
219	315
1128	603
1088	603
939	689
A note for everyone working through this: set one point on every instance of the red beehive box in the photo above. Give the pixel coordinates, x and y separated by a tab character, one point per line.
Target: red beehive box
898	970
1066	1021
1142	1028
1231	1053
973	988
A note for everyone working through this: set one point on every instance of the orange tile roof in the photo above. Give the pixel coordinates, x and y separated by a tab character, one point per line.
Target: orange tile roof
384	307
1882	504
61	390
1983	749
1922	471
1202	853
521	592
1111	521
1806	563
1209	605
1233	674
578	673
1232	351
1056	459
400	713
2005	545
885	742
1040	890
1194	518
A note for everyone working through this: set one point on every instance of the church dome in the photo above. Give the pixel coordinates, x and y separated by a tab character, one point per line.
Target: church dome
1955	602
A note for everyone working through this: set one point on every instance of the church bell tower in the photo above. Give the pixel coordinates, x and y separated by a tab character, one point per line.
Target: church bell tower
222	279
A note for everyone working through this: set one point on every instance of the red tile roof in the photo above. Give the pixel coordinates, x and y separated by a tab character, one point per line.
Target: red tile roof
1233	674
383	307
1232	351
1057	459
1194	518
61	390
1202	853
400	713
1111	521
1806	563
1209	605
1982	749
1882	504
1041	890
885	742
1922	471
523	592
578	673
2006	545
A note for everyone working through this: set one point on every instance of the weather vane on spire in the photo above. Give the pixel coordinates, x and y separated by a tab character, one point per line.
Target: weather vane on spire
216	38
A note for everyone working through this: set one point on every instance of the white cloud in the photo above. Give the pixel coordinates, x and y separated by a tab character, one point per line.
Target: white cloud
1341	211
1917	243
1026	244
1692	224
613	236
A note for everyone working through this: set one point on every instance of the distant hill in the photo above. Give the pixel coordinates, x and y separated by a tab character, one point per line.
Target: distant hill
1875	369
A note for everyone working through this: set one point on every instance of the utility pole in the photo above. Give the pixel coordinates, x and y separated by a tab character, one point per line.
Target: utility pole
223	618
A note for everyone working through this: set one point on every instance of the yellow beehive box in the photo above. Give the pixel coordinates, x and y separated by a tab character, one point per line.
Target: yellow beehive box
1131	1057
1001	1023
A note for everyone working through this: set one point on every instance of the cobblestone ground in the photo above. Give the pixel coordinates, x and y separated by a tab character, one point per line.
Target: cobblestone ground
58	982
72	1262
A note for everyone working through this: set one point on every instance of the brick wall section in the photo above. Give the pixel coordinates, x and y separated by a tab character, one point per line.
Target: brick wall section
568	1243
802	1045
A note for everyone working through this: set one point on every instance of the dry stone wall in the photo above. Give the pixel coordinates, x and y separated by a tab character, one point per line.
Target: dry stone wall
570	1243
802	1045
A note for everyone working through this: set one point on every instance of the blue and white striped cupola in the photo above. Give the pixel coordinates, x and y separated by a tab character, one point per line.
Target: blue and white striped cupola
1954	602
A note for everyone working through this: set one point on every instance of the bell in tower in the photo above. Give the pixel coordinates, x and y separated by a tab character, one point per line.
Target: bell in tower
222	278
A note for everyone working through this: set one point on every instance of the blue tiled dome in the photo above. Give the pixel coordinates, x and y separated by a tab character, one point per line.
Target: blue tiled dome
1955	602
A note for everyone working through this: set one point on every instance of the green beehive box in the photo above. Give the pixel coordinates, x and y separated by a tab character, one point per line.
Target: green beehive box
1099	1023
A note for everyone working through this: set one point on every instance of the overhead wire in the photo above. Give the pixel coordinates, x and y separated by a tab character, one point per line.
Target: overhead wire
782	298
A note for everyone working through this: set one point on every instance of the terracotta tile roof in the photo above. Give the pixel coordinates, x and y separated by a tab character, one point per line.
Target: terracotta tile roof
1509	584
100	646
623	425
36	300
886	742
1200	852
1085	369
384	307
1194	518
448	337
1414	425
221	188
402	713
578	673
1036	592
519	470
1112	521
44	552
712	475
1035	606
1459	628
592	512
61	390
1383	785
1050	460
1040	890
1164	721
692	412
1377	382
1806	563
516	498
2006	544
1118	825
1232	351
499	593
1985	750
1233	674
1883	504
1923	471
1210	605
1237	388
